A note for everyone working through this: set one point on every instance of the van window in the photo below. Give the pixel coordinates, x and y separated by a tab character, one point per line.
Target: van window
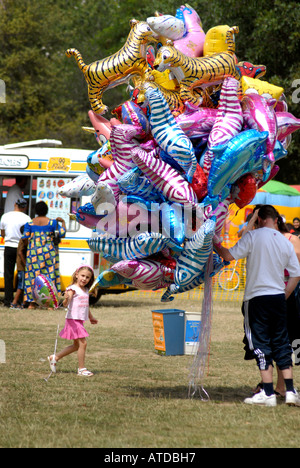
44	188
7	183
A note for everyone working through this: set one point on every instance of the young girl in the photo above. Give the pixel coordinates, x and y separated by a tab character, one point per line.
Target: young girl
77	300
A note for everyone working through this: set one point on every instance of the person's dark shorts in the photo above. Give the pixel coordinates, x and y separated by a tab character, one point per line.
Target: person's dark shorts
20	280
265	325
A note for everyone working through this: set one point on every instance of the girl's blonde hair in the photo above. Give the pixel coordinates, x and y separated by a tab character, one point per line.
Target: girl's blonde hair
87	267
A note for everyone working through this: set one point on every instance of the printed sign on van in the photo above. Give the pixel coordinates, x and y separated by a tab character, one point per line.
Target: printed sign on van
13	161
59	164
47	191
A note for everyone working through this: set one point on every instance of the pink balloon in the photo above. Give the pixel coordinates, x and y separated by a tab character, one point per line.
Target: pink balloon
287	124
106	163
145	274
197	123
192	42
273	173
259	114
88	220
166	179
101	125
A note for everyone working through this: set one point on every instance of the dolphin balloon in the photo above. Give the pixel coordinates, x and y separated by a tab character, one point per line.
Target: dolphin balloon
259	114
197	123
231	157
193	39
81	185
166	179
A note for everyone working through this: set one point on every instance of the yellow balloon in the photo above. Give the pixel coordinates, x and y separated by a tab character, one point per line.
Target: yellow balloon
263	88
164	79
215	40
171	96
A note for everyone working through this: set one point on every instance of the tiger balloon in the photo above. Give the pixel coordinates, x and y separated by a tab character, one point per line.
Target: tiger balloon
115	69
192	72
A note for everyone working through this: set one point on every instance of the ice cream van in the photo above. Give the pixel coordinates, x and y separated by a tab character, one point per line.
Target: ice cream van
48	166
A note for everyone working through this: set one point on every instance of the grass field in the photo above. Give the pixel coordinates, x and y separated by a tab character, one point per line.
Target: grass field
136	398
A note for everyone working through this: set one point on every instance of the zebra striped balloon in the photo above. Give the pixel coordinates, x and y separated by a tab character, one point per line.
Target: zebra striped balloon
166	179
169	135
191	262
197	123
122	143
145	274
220	212
129	248
218	264
229	120
135	183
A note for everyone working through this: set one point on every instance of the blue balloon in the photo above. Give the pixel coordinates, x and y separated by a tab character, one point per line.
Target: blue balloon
92	174
109	278
256	164
231	158
192	261
93	159
172	221
134	183
169	160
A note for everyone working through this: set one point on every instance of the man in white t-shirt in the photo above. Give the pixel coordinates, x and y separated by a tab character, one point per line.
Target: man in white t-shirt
10	225
268	254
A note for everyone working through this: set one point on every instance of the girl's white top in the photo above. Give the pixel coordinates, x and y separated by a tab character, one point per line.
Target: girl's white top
78	308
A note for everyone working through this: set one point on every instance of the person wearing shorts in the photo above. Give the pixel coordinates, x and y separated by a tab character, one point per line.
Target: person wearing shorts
268	254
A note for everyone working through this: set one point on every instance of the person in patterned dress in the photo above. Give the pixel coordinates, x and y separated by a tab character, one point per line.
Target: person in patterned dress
42	254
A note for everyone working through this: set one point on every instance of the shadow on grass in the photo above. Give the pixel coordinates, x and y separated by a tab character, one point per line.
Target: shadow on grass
216	394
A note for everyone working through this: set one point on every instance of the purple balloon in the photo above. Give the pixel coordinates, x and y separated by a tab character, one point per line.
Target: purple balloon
259	114
197	123
287	124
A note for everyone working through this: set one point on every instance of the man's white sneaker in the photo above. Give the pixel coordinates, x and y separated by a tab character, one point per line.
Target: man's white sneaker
292	399
261	399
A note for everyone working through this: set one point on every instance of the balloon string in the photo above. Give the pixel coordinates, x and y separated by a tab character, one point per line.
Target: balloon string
202	354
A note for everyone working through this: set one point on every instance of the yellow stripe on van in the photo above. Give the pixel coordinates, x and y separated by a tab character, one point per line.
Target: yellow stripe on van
73	244
37	166
78	167
51	165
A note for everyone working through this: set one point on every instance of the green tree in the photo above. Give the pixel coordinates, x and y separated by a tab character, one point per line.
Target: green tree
46	93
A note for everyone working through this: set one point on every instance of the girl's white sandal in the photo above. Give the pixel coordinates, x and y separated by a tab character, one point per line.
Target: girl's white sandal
52	363
84	372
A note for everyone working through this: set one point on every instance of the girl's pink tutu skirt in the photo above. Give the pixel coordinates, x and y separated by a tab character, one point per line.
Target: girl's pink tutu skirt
73	330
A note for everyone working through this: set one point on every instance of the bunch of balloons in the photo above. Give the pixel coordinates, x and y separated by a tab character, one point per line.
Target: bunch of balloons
199	132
